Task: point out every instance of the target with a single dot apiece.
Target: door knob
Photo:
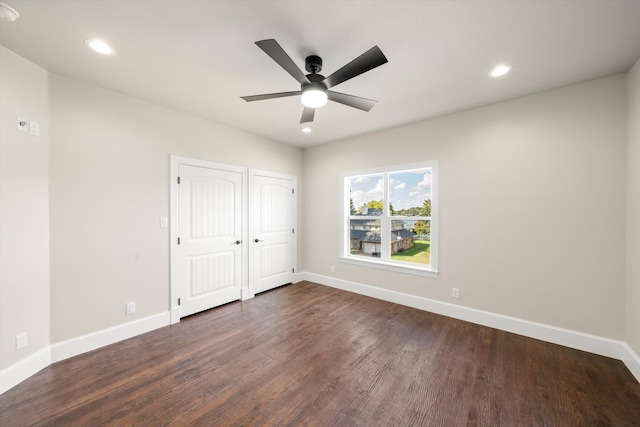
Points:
(238, 242)
(257, 240)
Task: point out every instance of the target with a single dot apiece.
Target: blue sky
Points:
(408, 189)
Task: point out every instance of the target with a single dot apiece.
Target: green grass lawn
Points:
(420, 253)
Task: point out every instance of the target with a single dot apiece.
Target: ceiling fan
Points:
(314, 87)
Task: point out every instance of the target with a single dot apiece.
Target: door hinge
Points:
(293, 231)
(178, 240)
(178, 180)
(178, 301)
(293, 191)
(293, 270)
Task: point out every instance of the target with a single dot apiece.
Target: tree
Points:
(423, 228)
(426, 208)
(352, 208)
(375, 204)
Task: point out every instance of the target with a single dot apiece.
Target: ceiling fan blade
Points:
(275, 51)
(367, 61)
(307, 115)
(363, 104)
(252, 98)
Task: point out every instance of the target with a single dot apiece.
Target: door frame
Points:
(174, 165)
(294, 249)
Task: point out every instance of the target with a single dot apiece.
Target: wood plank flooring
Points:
(310, 355)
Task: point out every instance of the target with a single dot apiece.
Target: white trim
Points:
(13, 375)
(174, 315)
(632, 360)
(82, 344)
(566, 337)
(31, 365)
(386, 263)
(382, 265)
(174, 308)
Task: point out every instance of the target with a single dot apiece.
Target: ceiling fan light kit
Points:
(314, 97)
(314, 88)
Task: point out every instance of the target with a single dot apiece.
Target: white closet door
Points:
(209, 252)
(272, 230)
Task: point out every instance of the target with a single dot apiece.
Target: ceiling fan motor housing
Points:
(315, 78)
(313, 64)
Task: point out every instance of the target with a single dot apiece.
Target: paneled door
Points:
(271, 230)
(209, 232)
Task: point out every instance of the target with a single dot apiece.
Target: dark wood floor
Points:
(306, 354)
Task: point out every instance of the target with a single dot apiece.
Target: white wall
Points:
(109, 188)
(532, 204)
(632, 320)
(24, 209)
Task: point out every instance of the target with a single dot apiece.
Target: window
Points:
(390, 218)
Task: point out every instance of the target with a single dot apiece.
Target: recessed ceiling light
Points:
(500, 70)
(306, 130)
(100, 46)
(7, 13)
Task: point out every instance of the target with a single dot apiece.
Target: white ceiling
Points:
(199, 56)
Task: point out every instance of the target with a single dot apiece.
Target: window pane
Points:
(366, 194)
(365, 237)
(410, 242)
(410, 192)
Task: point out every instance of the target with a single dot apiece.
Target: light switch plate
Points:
(34, 128)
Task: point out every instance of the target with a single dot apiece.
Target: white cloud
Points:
(377, 191)
(361, 179)
(425, 183)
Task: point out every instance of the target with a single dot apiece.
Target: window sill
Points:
(382, 265)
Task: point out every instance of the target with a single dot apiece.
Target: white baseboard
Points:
(20, 371)
(632, 360)
(75, 346)
(566, 337)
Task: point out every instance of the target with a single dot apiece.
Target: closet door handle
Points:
(238, 242)
(257, 240)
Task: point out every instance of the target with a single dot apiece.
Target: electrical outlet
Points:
(455, 293)
(332, 269)
(22, 340)
(22, 124)
(130, 307)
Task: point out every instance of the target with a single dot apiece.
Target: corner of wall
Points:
(24, 217)
(632, 268)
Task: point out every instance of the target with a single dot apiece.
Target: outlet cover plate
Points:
(22, 124)
(130, 307)
(21, 340)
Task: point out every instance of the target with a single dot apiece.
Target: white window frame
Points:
(385, 262)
